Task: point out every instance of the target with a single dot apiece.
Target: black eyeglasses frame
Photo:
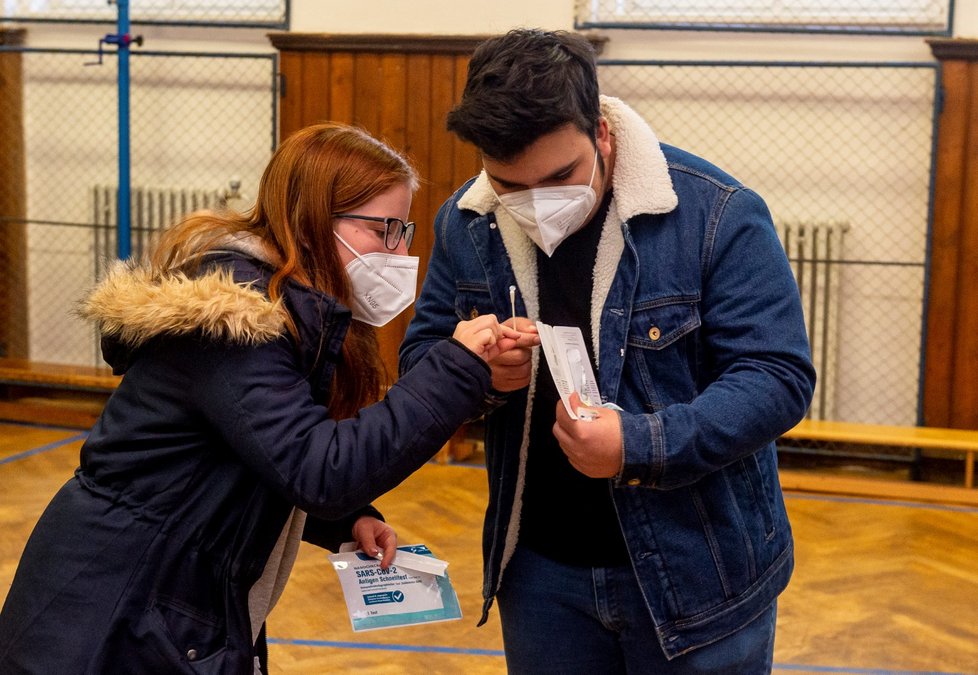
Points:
(395, 229)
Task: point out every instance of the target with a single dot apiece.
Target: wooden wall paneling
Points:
(13, 205)
(341, 74)
(393, 99)
(964, 404)
(441, 173)
(467, 161)
(391, 103)
(951, 358)
(418, 149)
(948, 202)
(368, 91)
(314, 101)
(290, 113)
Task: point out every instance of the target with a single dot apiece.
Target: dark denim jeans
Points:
(562, 619)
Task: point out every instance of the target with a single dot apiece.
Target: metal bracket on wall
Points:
(115, 39)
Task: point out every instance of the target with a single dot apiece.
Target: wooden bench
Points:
(50, 393)
(957, 442)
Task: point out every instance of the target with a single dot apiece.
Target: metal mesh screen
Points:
(835, 147)
(265, 13)
(852, 16)
(202, 126)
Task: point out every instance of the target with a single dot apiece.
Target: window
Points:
(265, 13)
(880, 16)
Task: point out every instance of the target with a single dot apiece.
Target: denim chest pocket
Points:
(662, 349)
(472, 299)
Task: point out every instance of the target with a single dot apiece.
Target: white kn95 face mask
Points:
(383, 284)
(549, 215)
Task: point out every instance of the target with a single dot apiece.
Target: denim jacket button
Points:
(654, 333)
(191, 654)
(634, 481)
(474, 314)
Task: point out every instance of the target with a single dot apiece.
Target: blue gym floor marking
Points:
(432, 649)
(44, 448)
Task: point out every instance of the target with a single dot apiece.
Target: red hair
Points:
(317, 171)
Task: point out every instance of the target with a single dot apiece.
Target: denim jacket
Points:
(699, 337)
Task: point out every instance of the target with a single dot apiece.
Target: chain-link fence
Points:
(842, 154)
(202, 129)
(223, 13)
(908, 17)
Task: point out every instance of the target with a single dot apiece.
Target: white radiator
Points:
(815, 252)
(151, 209)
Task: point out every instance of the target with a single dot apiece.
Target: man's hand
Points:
(593, 447)
(373, 536)
(511, 369)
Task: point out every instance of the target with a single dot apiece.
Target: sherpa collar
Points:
(640, 183)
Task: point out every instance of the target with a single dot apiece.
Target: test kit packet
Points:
(414, 589)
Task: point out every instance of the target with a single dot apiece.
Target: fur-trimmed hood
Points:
(132, 305)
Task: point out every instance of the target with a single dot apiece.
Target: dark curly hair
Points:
(525, 84)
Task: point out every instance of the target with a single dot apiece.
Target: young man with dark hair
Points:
(652, 538)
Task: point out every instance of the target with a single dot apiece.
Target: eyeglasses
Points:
(394, 229)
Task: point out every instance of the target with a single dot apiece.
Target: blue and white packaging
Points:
(414, 589)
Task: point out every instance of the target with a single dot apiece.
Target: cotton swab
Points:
(512, 303)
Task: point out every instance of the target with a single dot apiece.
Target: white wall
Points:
(435, 17)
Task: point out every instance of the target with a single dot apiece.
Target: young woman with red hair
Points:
(247, 417)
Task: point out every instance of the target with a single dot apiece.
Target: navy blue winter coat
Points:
(143, 561)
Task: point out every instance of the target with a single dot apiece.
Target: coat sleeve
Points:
(329, 534)
(262, 406)
(755, 359)
(435, 316)
(434, 312)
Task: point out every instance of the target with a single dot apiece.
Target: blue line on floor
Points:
(857, 671)
(36, 425)
(44, 448)
(394, 647)
(499, 652)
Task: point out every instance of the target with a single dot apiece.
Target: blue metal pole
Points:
(123, 207)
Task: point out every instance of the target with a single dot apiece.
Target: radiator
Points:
(815, 252)
(151, 210)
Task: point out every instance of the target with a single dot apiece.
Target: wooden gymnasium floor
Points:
(879, 587)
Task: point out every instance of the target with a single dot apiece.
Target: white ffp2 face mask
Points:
(383, 284)
(549, 215)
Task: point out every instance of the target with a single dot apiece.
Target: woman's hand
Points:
(488, 338)
(512, 369)
(373, 536)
